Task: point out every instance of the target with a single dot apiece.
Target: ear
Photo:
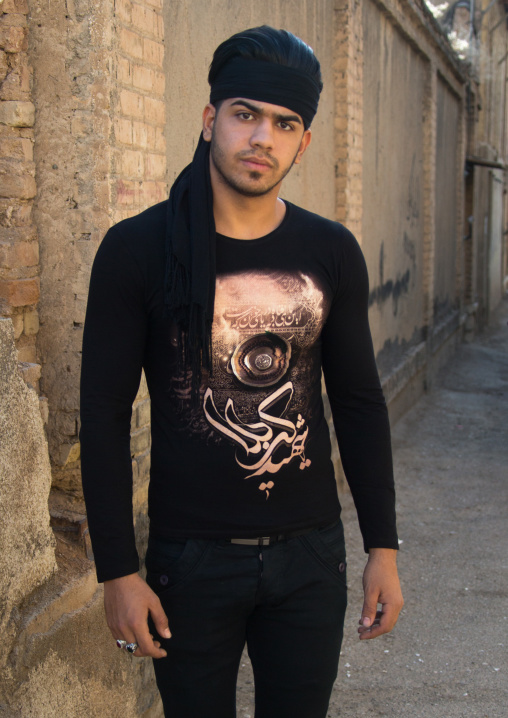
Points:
(307, 136)
(209, 114)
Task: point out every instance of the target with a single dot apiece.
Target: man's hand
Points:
(380, 585)
(128, 601)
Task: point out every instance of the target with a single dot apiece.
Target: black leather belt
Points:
(268, 540)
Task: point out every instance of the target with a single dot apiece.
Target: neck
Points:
(244, 217)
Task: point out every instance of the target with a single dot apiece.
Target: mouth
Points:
(255, 163)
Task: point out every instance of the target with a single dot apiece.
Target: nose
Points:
(262, 136)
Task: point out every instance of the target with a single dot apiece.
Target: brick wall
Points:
(139, 156)
(19, 247)
(348, 69)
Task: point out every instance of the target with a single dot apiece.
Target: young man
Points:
(232, 301)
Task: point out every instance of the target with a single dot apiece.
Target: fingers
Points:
(128, 601)
(369, 612)
(383, 622)
(140, 635)
(160, 619)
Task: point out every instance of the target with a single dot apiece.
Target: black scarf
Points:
(189, 291)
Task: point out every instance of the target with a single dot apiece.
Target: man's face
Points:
(253, 144)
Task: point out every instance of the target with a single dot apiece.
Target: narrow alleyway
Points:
(448, 656)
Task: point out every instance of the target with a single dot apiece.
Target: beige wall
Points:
(447, 158)
(195, 31)
(395, 81)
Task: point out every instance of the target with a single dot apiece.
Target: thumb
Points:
(160, 620)
(369, 610)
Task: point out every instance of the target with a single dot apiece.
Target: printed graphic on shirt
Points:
(266, 367)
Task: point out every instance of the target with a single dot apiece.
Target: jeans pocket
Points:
(170, 562)
(327, 547)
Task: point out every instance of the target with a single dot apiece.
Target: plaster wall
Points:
(195, 31)
(395, 78)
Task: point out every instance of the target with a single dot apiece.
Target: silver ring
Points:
(120, 643)
(131, 647)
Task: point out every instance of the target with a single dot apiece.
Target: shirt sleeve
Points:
(358, 406)
(113, 348)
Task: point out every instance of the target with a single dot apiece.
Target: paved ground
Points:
(447, 657)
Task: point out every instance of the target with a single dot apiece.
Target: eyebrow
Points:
(260, 111)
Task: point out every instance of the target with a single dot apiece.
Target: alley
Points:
(447, 657)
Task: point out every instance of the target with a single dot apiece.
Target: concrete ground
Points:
(447, 656)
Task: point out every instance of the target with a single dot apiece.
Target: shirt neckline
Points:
(265, 237)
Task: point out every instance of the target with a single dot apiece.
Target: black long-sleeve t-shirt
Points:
(253, 457)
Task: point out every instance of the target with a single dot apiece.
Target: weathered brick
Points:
(159, 27)
(127, 192)
(21, 254)
(143, 18)
(13, 19)
(4, 66)
(160, 140)
(142, 77)
(154, 192)
(123, 131)
(16, 86)
(14, 182)
(132, 104)
(143, 135)
(131, 43)
(123, 9)
(124, 71)
(157, 4)
(155, 111)
(17, 323)
(20, 292)
(23, 233)
(133, 164)
(31, 323)
(153, 52)
(155, 166)
(17, 114)
(13, 38)
(15, 6)
(159, 83)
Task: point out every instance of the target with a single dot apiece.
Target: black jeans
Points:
(286, 601)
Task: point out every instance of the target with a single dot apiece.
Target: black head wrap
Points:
(190, 242)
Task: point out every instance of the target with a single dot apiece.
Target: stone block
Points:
(29, 372)
(17, 114)
(4, 66)
(17, 186)
(21, 254)
(16, 148)
(26, 540)
(20, 292)
(13, 38)
(15, 6)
